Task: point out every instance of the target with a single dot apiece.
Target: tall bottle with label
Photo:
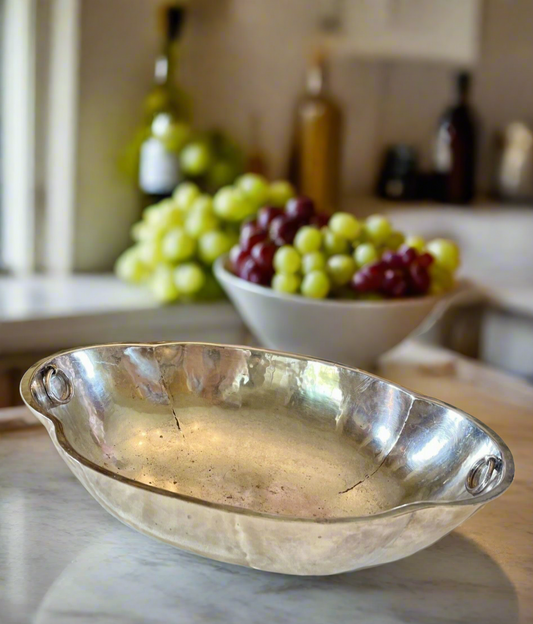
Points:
(455, 149)
(316, 158)
(167, 117)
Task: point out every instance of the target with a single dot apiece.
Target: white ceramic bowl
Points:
(355, 333)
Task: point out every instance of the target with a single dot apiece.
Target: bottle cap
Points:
(171, 20)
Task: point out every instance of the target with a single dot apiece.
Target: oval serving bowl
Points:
(355, 333)
(263, 459)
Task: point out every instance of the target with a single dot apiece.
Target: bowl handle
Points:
(51, 387)
(486, 471)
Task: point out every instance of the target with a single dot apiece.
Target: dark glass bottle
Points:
(455, 149)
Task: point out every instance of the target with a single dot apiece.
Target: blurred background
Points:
(102, 99)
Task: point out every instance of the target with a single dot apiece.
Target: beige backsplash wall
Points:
(248, 56)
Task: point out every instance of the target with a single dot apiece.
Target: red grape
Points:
(248, 225)
(320, 220)
(425, 260)
(237, 257)
(301, 208)
(369, 278)
(408, 255)
(394, 283)
(392, 260)
(283, 229)
(266, 216)
(252, 272)
(251, 234)
(263, 254)
(419, 279)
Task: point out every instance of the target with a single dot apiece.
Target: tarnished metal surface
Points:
(263, 459)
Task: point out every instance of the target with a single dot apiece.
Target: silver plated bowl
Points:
(264, 459)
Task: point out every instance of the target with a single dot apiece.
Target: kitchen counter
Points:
(64, 560)
(45, 313)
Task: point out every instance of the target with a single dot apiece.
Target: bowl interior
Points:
(264, 431)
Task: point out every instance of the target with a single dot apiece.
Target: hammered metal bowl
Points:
(263, 459)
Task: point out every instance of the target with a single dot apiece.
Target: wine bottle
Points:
(455, 149)
(167, 117)
(316, 155)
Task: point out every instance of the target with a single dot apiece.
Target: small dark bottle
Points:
(455, 149)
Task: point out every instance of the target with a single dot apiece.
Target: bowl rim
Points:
(224, 275)
(59, 433)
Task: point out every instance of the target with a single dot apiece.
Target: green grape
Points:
(169, 217)
(315, 285)
(195, 159)
(446, 253)
(140, 231)
(151, 253)
(416, 242)
(222, 173)
(378, 229)
(441, 279)
(189, 278)
(345, 225)
(340, 269)
(314, 261)
(334, 244)
(162, 284)
(185, 194)
(198, 223)
(174, 136)
(280, 193)
(395, 240)
(308, 239)
(287, 260)
(254, 187)
(178, 246)
(231, 204)
(212, 245)
(152, 214)
(365, 253)
(286, 283)
(362, 238)
(202, 205)
(130, 268)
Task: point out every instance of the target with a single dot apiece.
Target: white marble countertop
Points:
(48, 313)
(64, 560)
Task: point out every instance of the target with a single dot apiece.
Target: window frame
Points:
(37, 219)
(17, 228)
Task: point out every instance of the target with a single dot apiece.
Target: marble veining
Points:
(64, 560)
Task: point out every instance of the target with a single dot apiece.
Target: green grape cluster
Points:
(178, 239)
(211, 159)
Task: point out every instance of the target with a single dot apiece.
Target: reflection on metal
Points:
(263, 459)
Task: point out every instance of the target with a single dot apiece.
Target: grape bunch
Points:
(296, 250)
(178, 239)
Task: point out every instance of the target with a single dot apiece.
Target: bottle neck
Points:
(463, 97)
(316, 79)
(463, 89)
(165, 64)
